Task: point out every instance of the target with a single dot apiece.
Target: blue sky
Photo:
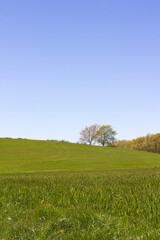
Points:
(65, 64)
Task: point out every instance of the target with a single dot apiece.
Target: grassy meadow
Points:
(30, 156)
(51, 190)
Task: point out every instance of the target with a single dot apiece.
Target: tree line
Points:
(149, 143)
(104, 135)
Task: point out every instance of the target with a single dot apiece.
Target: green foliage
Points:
(105, 135)
(28, 156)
(121, 205)
(150, 143)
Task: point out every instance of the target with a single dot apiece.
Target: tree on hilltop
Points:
(88, 134)
(105, 135)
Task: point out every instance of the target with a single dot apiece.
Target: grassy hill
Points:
(32, 156)
(78, 202)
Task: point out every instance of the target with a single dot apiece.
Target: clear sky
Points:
(65, 64)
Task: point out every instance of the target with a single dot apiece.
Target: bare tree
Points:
(88, 134)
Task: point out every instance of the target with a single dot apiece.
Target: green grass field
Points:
(51, 190)
(26, 156)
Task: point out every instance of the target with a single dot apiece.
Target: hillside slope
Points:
(32, 156)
